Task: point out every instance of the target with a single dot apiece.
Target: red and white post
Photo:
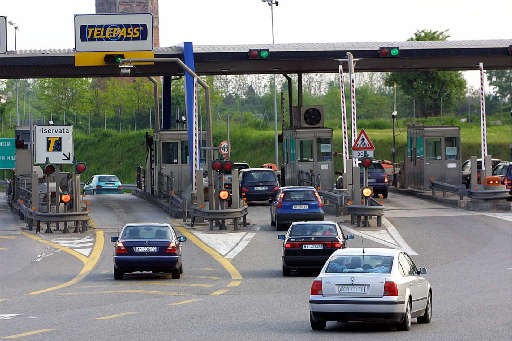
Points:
(483, 124)
(344, 120)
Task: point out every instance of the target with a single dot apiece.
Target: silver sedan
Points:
(371, 284)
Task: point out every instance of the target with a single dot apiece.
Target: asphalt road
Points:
(61, 287)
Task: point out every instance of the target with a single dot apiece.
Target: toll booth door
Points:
(442, 160)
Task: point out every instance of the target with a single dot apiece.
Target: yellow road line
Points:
(89, 262)
(7, 237)
(234, 284)
(72, 252)
(219, 292)
(115, 315)
(185, 302)
(3, 248)
(233, 272)
(34, 332)
(126, 291)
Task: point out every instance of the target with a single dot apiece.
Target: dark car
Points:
(378, 179)
(103, 184)
(466, 170)
(308, 244)
(296, 203)
(504, 171)
(258, 184)
(148, 247)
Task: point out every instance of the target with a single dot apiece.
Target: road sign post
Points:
(54, 144)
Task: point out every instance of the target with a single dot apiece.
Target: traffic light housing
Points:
(20, 143)
(261, 54)
(222, 166)
(49, 169)
(113, 58)
(510, 50)
(389, 52)
(65, 198)
(80, 167)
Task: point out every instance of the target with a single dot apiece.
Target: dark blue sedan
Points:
(148, 247)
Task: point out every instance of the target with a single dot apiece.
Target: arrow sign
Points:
(66, 157)
(363, 142)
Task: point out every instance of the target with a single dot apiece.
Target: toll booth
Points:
(173, 174)
(433, 153)
(308, 157)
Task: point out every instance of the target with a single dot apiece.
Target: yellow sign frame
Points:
(97, 58)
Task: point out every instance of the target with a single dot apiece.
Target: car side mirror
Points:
(114, 239)
(349, 236)
(422, 271)
(281, 236)
(182, 239)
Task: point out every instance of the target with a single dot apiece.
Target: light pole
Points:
(16, 27)
(271, 3)
(393, 151)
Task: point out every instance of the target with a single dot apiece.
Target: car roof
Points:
(106, 175)
(148, 224)
(314, 222)
(256, 169)
(367, 251)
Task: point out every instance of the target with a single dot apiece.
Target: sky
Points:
(48, 24)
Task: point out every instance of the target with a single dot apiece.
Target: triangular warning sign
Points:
(363, 142)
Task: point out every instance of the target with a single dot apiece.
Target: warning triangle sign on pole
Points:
(363, 142)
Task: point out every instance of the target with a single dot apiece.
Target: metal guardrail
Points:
(362, 213)
(448, 188)
(338, 198)
(482, 193)
(220, 216)
(32, 217)
(489, 194)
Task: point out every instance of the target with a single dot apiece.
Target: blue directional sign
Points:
(7, 153)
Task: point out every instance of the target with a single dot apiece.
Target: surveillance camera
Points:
(394, 113)
(50, 122)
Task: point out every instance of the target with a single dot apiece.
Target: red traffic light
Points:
(80, 167)
(49, 169)
(217, 165)
(20, 144)
(227, 166)
(366, 162)
(259, 53)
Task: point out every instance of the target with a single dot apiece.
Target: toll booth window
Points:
(419, 147)
(324, 149)
(451, 148)
(306, 150)
(434, 151)
(184, 153)
(170, 153)
(293, 153)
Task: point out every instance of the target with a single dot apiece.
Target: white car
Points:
(370, 284)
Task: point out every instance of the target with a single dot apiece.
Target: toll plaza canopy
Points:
(282, 59)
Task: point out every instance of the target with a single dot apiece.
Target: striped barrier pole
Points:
(343, 119)
(483, 125)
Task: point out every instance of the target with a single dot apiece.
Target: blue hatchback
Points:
(103, 183)
(296, 203)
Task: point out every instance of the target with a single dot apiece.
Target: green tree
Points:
(502, 81)
(434, 92)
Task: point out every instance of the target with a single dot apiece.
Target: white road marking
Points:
(501, 215)
(82, 245)
(8, 316)
(397, 237)
(227, 244)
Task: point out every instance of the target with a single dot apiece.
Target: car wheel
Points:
(118, 274)
(286, 271)
(427, 316)
(272, 220)
(276, 222)
(405, 324)
(176, 274)
(316, 323)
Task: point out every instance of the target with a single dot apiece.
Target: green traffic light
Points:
(118, 59)
(264, 54)
(394, 52)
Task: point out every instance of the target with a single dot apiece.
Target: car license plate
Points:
(260, 188)
(300, 207)
(371, 180)
(312, 246)
(145, 248)
(353, 289)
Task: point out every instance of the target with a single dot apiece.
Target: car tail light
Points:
(120, 249)
(390, 289)
(245, 190)
(280, 200)
(292, 245)
(386, 180)
(275, 189)
(98, 187)
(172, 248)
(319, 199)
(333, 245)
(120, 187)
(316, 287)
(507, 182)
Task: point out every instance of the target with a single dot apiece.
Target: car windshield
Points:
(108, 178)
(146, 232)
(313, 230)
(298, 195)
(360, 264)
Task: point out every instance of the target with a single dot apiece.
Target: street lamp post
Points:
(271, 3)
(16, 27)
(393, 151)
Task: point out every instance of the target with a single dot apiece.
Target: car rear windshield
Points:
(146, 232)
(299, 195)
(360, 264)
(310, 230)
(108, 178)
(260, 176)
